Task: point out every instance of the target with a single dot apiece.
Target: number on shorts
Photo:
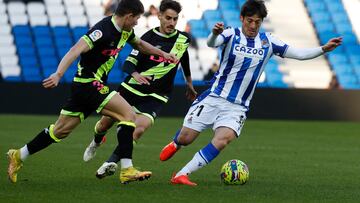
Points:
(201, 107)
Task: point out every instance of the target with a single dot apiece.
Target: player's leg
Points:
(199, 117)
(52, 134)
(143, 122)
(223, 136)
(120, 110)
(183, 137)
(100, 129)
(227, 126)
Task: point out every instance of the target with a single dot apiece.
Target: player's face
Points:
(130, 22)
(251, 25)
(168, 20)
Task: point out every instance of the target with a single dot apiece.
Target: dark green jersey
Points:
(159, 69)
(105, 40)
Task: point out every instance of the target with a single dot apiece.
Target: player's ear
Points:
(241, 18)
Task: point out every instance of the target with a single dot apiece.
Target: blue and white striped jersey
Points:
(242, 62)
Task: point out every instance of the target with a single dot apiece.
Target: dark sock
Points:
(98, 137)
(125, 143)
(114, 156)
(41, 141)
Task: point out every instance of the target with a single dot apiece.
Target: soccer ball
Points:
(234, 172)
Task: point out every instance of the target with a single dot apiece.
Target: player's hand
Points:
(190, 92)
(218, 28)
(52, 81)
(332, 44)
(141, 79)
(171, 57)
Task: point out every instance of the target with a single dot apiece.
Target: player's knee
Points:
(139, 131)
(130, 116)
(60, 131)
(222, 142)
(103, 125)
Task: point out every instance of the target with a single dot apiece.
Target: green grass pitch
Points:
(289, 161)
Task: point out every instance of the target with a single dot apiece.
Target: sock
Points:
(177, 145)
(126, 163)
(200, 159)
(124, 149)
(115, 155)
(45, 138)
(24, 153)
(98, 136)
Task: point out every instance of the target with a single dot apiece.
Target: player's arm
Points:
(310, 53)
(146, 48)
(129, 67)
(53, 80)
(185, 64)
(215, 38)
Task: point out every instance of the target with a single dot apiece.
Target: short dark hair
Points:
(134, 7)
(170, 4)
(252, 7)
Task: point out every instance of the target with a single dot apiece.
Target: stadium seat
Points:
(46, 52)
(197, 24)
(24, 51)
(61, 31)
(78, 32)
(21, 30)
(63, 42)
(41, 31)
(43, 41)
(211, 15)
(31, 72)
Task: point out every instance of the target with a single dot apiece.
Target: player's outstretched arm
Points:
(310, 53)
(53, 80)
(214, 40)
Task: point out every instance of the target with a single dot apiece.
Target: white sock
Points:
(126, 163)
(24, 153)
(195, 164)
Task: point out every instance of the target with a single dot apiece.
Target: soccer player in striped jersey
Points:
(223, 107)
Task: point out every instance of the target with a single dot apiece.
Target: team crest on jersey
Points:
(95, 35)
(179, 46)
(265, 43)
(125, 35)
(249, 51)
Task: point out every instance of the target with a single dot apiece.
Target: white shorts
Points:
(215, 112)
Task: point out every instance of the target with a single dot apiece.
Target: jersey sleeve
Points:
(185, 64)
(227, 34)
(134, 57)
(279, 47)
(95, 36)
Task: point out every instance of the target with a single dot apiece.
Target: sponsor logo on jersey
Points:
(111, 52)
(95, 35)
(249, 51)
(161, 59)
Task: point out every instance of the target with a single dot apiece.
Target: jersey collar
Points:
(115, 25)
(156, 30)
